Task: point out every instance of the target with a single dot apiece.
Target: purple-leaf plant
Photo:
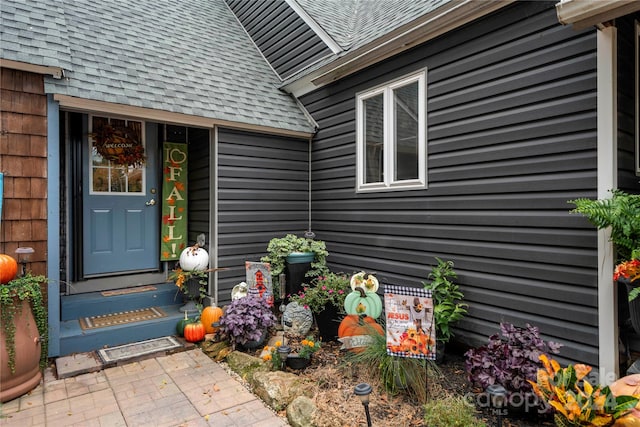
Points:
(246, 319)
(509, 361)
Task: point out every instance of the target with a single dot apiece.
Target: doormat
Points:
(127, 291)
(112, 319)
(137, 349)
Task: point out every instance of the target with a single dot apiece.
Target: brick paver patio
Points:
(182, 389)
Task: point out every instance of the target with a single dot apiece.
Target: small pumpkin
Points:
(209, 316)
(354, 331)
(360, 301)
(194, 332)
(8, 268)
(181, 324)
(195, 258)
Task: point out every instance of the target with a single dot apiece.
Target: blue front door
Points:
(120, 198)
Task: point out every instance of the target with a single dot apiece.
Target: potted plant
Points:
(511, 361)
(448, 307)
(325, 298)
(246, 320)
(280, 248)
(302, 358)
(23, 334)
(575, 400)
(621, 214)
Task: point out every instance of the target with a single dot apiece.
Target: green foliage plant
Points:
(24, 288)
(279, 248)
(396, 374)
(621, 213)
(448, 307)
(331, 288)
(451, 411)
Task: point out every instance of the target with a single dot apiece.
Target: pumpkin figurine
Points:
(209, 316)
(363, 280)
(195, 258)
(355, 332)
(194, 332)
(8, 268)
(360, 301)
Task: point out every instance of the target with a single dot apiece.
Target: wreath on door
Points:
(120, 144)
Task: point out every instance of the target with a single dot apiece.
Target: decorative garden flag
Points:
(174, 201)
(409, 319)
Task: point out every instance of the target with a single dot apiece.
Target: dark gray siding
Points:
(511, 138)
(199, 184)
(284, 39)
(263, 192)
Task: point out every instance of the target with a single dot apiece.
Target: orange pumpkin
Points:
(8, 268)
(209, 316)
(194, 332)
(354, 325)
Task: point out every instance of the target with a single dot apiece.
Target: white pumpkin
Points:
(194, 258)
(366, 281)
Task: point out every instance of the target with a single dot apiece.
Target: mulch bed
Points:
(334, 381)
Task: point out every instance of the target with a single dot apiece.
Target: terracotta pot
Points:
(27, 373)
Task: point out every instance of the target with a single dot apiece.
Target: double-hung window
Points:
(391, 135)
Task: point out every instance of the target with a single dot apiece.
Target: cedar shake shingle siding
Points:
(23, 160)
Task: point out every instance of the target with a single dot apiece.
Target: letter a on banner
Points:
(409, 316)
(174, 201)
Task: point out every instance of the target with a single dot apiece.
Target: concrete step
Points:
(93, 304)
(74, 339)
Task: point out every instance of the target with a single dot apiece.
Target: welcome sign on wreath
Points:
(119, 141)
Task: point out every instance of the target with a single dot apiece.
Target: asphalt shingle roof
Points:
(189, 57)
(354, 23)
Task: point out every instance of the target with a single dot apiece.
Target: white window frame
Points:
(389, 184)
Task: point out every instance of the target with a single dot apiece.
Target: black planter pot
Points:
(252, 345)
(296, 362)
(634, 306)
(327, 322)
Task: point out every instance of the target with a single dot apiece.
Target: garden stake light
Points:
(363, 390)
(497, 400)
(283, 353)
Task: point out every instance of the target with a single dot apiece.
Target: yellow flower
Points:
(266, 357)
(278, 344)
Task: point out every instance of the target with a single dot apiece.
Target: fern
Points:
(621, 213)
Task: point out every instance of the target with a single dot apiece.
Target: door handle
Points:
(151, 202)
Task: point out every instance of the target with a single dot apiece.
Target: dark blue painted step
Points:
(93, 304)
(73, 339)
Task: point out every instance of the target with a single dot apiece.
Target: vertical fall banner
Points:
(174, 201)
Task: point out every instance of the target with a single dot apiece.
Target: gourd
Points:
(8, 268)
(369, 283)
(181, 324)
(209, 316)
(194, 332)
(354, 325)
(360, 301)
(195, 258)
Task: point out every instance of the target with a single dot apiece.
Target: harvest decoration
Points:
(8, 268)
(195, 258)
(366, 281)
(119, 143)
(209, 316)
(355, 332)
(575, 400)
(360, 301)
(194, 331)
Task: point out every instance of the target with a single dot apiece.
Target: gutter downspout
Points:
(607, 174)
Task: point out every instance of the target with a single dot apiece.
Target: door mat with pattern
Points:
(112, 319)
(138, 349)
(127, 291)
